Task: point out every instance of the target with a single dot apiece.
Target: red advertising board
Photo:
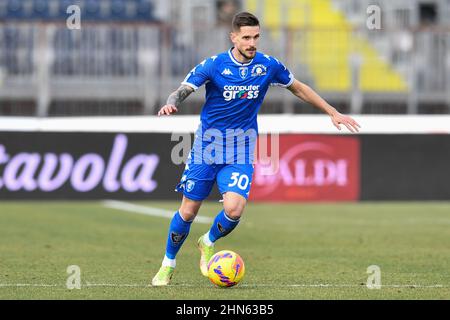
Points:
(306, 168)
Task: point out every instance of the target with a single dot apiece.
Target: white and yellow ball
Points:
(226, 268)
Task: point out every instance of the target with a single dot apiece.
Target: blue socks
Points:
(222, 226)
(178, 232)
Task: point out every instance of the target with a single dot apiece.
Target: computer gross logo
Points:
(240, 92)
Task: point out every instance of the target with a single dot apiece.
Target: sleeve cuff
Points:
(291, 81)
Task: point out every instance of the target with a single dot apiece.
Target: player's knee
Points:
(189, 209)
(234, 210)
(187, 213)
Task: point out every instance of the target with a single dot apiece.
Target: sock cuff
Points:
(179, 216)
(229, 219)
(222, 226)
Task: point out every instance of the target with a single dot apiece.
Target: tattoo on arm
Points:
(179, 95)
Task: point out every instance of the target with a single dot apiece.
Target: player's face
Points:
(246, 41)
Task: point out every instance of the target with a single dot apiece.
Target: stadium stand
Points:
(329, 45)
(91, 10)
(134, 53)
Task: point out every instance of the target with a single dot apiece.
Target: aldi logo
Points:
(310, 168)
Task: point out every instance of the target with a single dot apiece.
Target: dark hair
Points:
(244, 19)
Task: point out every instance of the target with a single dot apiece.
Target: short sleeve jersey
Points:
(235, 91)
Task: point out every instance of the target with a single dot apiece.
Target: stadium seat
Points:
(118, 10)
(15, 9)
(145, 10)
(330, 45)
(63, 5)
(3, 10)
(92, 10)
(40, 10)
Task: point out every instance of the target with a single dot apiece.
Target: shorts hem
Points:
(243, 195)
(190, 196)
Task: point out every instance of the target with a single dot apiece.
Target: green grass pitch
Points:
(291, 251)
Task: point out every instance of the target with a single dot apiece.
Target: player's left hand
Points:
(338, 119)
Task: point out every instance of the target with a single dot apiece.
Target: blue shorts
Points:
(198, 179)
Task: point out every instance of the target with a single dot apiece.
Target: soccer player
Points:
(236, 82)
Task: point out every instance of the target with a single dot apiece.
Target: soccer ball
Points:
(226, 268)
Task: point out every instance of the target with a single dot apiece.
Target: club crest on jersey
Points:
(190, 185)
(243, 72)
(259, 70)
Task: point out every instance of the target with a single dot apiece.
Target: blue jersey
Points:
(234, 94)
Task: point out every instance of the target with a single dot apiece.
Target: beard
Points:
(245, 55)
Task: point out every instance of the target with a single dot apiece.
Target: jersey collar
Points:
(237, 62)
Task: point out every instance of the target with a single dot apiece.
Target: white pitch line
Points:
(18, 285)
(118, 285)
(149, 211)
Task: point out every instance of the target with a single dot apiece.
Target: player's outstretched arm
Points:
(307, 94)
(175, 99)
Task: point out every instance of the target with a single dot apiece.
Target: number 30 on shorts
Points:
(241, 180)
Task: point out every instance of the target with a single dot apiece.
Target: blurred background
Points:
(129, 55)
(78, 122)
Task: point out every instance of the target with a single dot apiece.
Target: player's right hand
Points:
(168, 109)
